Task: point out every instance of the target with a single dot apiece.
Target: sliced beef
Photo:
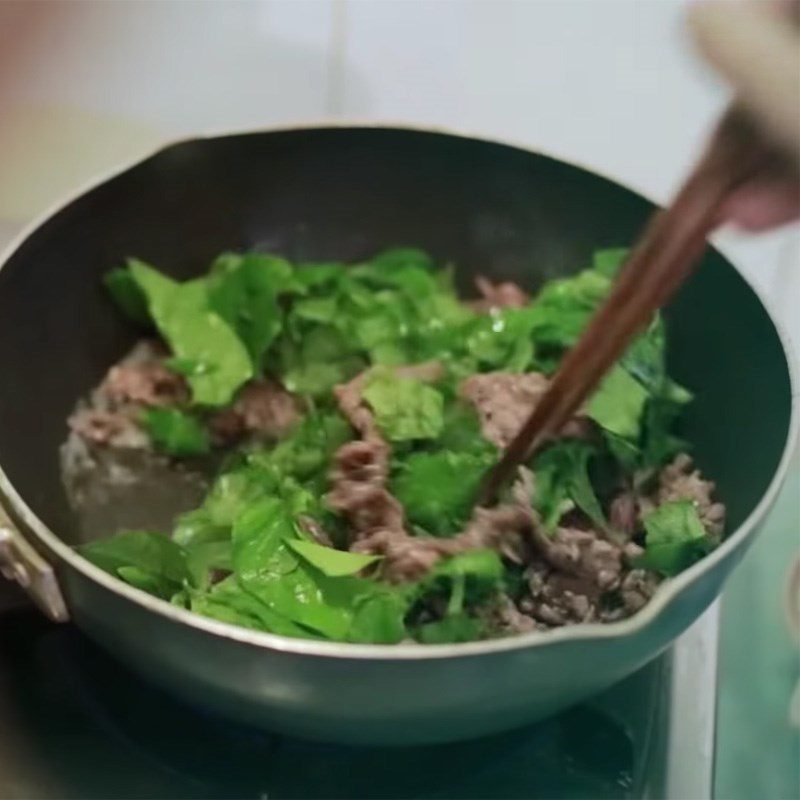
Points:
(142, 378)
(361, 468)
(637, 587)
(148, 384)
(405, 558)
(112, 428)
(111, 415)
(679, 481)
(502, 617)
(505, 528)
(359, 493)
(504, 400)
(623, 513)
(262, 409)
(504, 294)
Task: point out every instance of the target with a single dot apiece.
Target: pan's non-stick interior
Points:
(342, 194)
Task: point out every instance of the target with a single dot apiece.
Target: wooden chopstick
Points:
(664, 257)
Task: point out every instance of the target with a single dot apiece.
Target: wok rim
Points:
(648, 616)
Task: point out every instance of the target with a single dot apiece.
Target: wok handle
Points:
(20, 562)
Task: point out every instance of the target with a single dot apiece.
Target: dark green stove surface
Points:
(76, 724)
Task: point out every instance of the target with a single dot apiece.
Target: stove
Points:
(74, 723)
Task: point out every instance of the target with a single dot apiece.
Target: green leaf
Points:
(195, 333)
(126, 293)
(607, 262)
(378, 618)
(197, 527)
(318, 276)
(176, 433)
(482, 565)
(391, 261)
(258, 537)
(562, 479)
(618, 404)
(450, 630)
(563, 307)
(645, 359)
(228, 602)
(674, 538)
(504, 340)
(205, 558)
(405, 408)
(331, 562)
(151, 554)
(438, 490)
(316, 309)
(306, 452)
(149, 582)
(234, 492)
(663, 409)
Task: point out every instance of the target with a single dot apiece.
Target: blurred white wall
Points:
(612, 84)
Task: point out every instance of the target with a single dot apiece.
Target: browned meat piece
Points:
(623, 513)
(557, 599)
(679, 481)
(503, 617)
(359, 489)
(351, 403)
(498, 295)
(581, 554)
(505, 528)
(142, 378)
(569, 575)
(504, 400)
(115, 428)
(358, 485)
(405, 558)
(262, 408)
(638, 586)
(150, 384)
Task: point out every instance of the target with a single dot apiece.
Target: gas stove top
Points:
(74, 723)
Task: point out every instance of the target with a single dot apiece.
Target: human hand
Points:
(755, 44)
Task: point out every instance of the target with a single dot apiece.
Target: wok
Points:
(343, 193)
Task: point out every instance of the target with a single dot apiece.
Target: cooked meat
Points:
(405, 558)
(142, 378)
(679, 481)
(638, 586)
(361, 468)
(498, 295)
(262, 408)
(150, 384)
(557, 599)
(503, 617)
(504, 400)
(506, 528)
(581, 554)
(114, 428)
(351, 403)
(623, 513)
(359, 490)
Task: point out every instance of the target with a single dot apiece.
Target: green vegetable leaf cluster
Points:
(675, 538)
(252, 553)
(562, 483)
